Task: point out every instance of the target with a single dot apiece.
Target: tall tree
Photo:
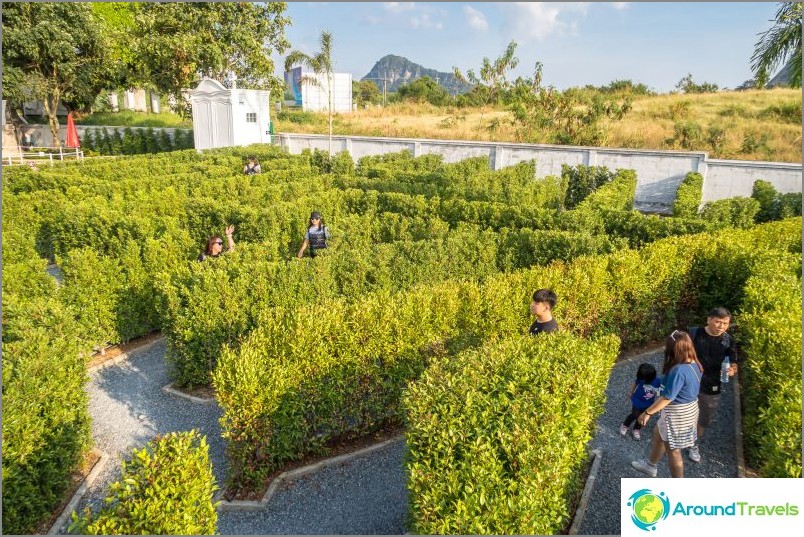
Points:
(178, 43)
(492, 75)
(492, 84)
(321, 65)
(781, 42)
(56, 53)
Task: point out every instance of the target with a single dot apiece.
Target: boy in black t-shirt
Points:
(544, 300)
(712, 344)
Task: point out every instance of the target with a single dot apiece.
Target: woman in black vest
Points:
(316, 235)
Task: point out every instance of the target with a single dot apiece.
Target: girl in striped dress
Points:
(677, 426)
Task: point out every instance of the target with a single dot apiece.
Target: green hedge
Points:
(213, 304)
(288, 388)
(166, 489)
(582, 180)
(772, 204)
(497, 437)
(46, 423)
(688, 196)
(770, 322)
(734, 212)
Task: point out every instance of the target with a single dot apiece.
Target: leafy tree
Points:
(492, 75)
(627, 86)
(780, 42)
(424, 89)
(492, 84)
(688, 85)
(56, 53)
(571, 117)
(321, 65)
(366, 92)
(177, 43)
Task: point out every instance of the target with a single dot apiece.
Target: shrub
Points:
(497, 436)
(582, 181)
(735, 212)
(166, 489)
(772, 204)
(688, 196)
(790, 205)
(687, 135)
(770, 323)
(768, 199)
(46, 423)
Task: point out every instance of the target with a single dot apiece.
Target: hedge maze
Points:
(415, 315)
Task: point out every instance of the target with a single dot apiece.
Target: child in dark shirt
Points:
(642, 394)
(544, 300)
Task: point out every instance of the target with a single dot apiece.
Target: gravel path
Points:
(718, 448)
(129, 408)
(368, 494)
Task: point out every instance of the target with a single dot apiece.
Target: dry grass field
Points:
(745, 125)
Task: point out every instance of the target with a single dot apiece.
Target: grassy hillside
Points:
(747, 125)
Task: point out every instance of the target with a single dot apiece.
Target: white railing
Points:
(32, 155)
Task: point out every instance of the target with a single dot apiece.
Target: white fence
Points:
(47, 155)
(659, 173)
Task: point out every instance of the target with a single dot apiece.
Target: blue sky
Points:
(579, 43)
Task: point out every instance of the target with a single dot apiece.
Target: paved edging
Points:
(124, 356)
(242, 505)
(738, 427)
(169, 389)
(580, 512)
(73, 503)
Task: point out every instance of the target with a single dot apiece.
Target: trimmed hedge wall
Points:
(770, 323)
(166, 489)
(688, 196)
(46, 423)
(497, 437)
(312, 372)
(215, 304)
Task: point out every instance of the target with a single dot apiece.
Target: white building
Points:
(313, 98)
(227, 117)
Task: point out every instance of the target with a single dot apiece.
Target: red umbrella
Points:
(72, 132)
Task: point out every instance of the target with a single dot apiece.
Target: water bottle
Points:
(724, 370)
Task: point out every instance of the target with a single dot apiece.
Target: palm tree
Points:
(321, 65)
(783, 40)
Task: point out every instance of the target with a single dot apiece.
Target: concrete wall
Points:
(659, 173)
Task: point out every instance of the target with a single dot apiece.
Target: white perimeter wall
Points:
(659, 173)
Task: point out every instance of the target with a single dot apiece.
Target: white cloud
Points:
(369, 19)
(425, 22)
(536, 20)
(619, 5)
(476, 19)
(399, 7)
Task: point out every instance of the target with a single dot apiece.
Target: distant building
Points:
(313, 98)
(227, 117)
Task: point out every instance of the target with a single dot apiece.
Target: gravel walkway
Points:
(129, 408)
(718, 448)
(368, 494)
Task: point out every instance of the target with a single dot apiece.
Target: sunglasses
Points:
(220, 243)
(676, 334)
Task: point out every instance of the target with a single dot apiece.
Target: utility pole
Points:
(384, 86)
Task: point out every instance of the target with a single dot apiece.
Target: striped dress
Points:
(678, 423)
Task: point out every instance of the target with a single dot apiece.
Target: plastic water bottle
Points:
(724, 370)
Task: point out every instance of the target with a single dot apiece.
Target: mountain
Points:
(399, 71)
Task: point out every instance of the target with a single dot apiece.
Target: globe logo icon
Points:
(648, 508)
